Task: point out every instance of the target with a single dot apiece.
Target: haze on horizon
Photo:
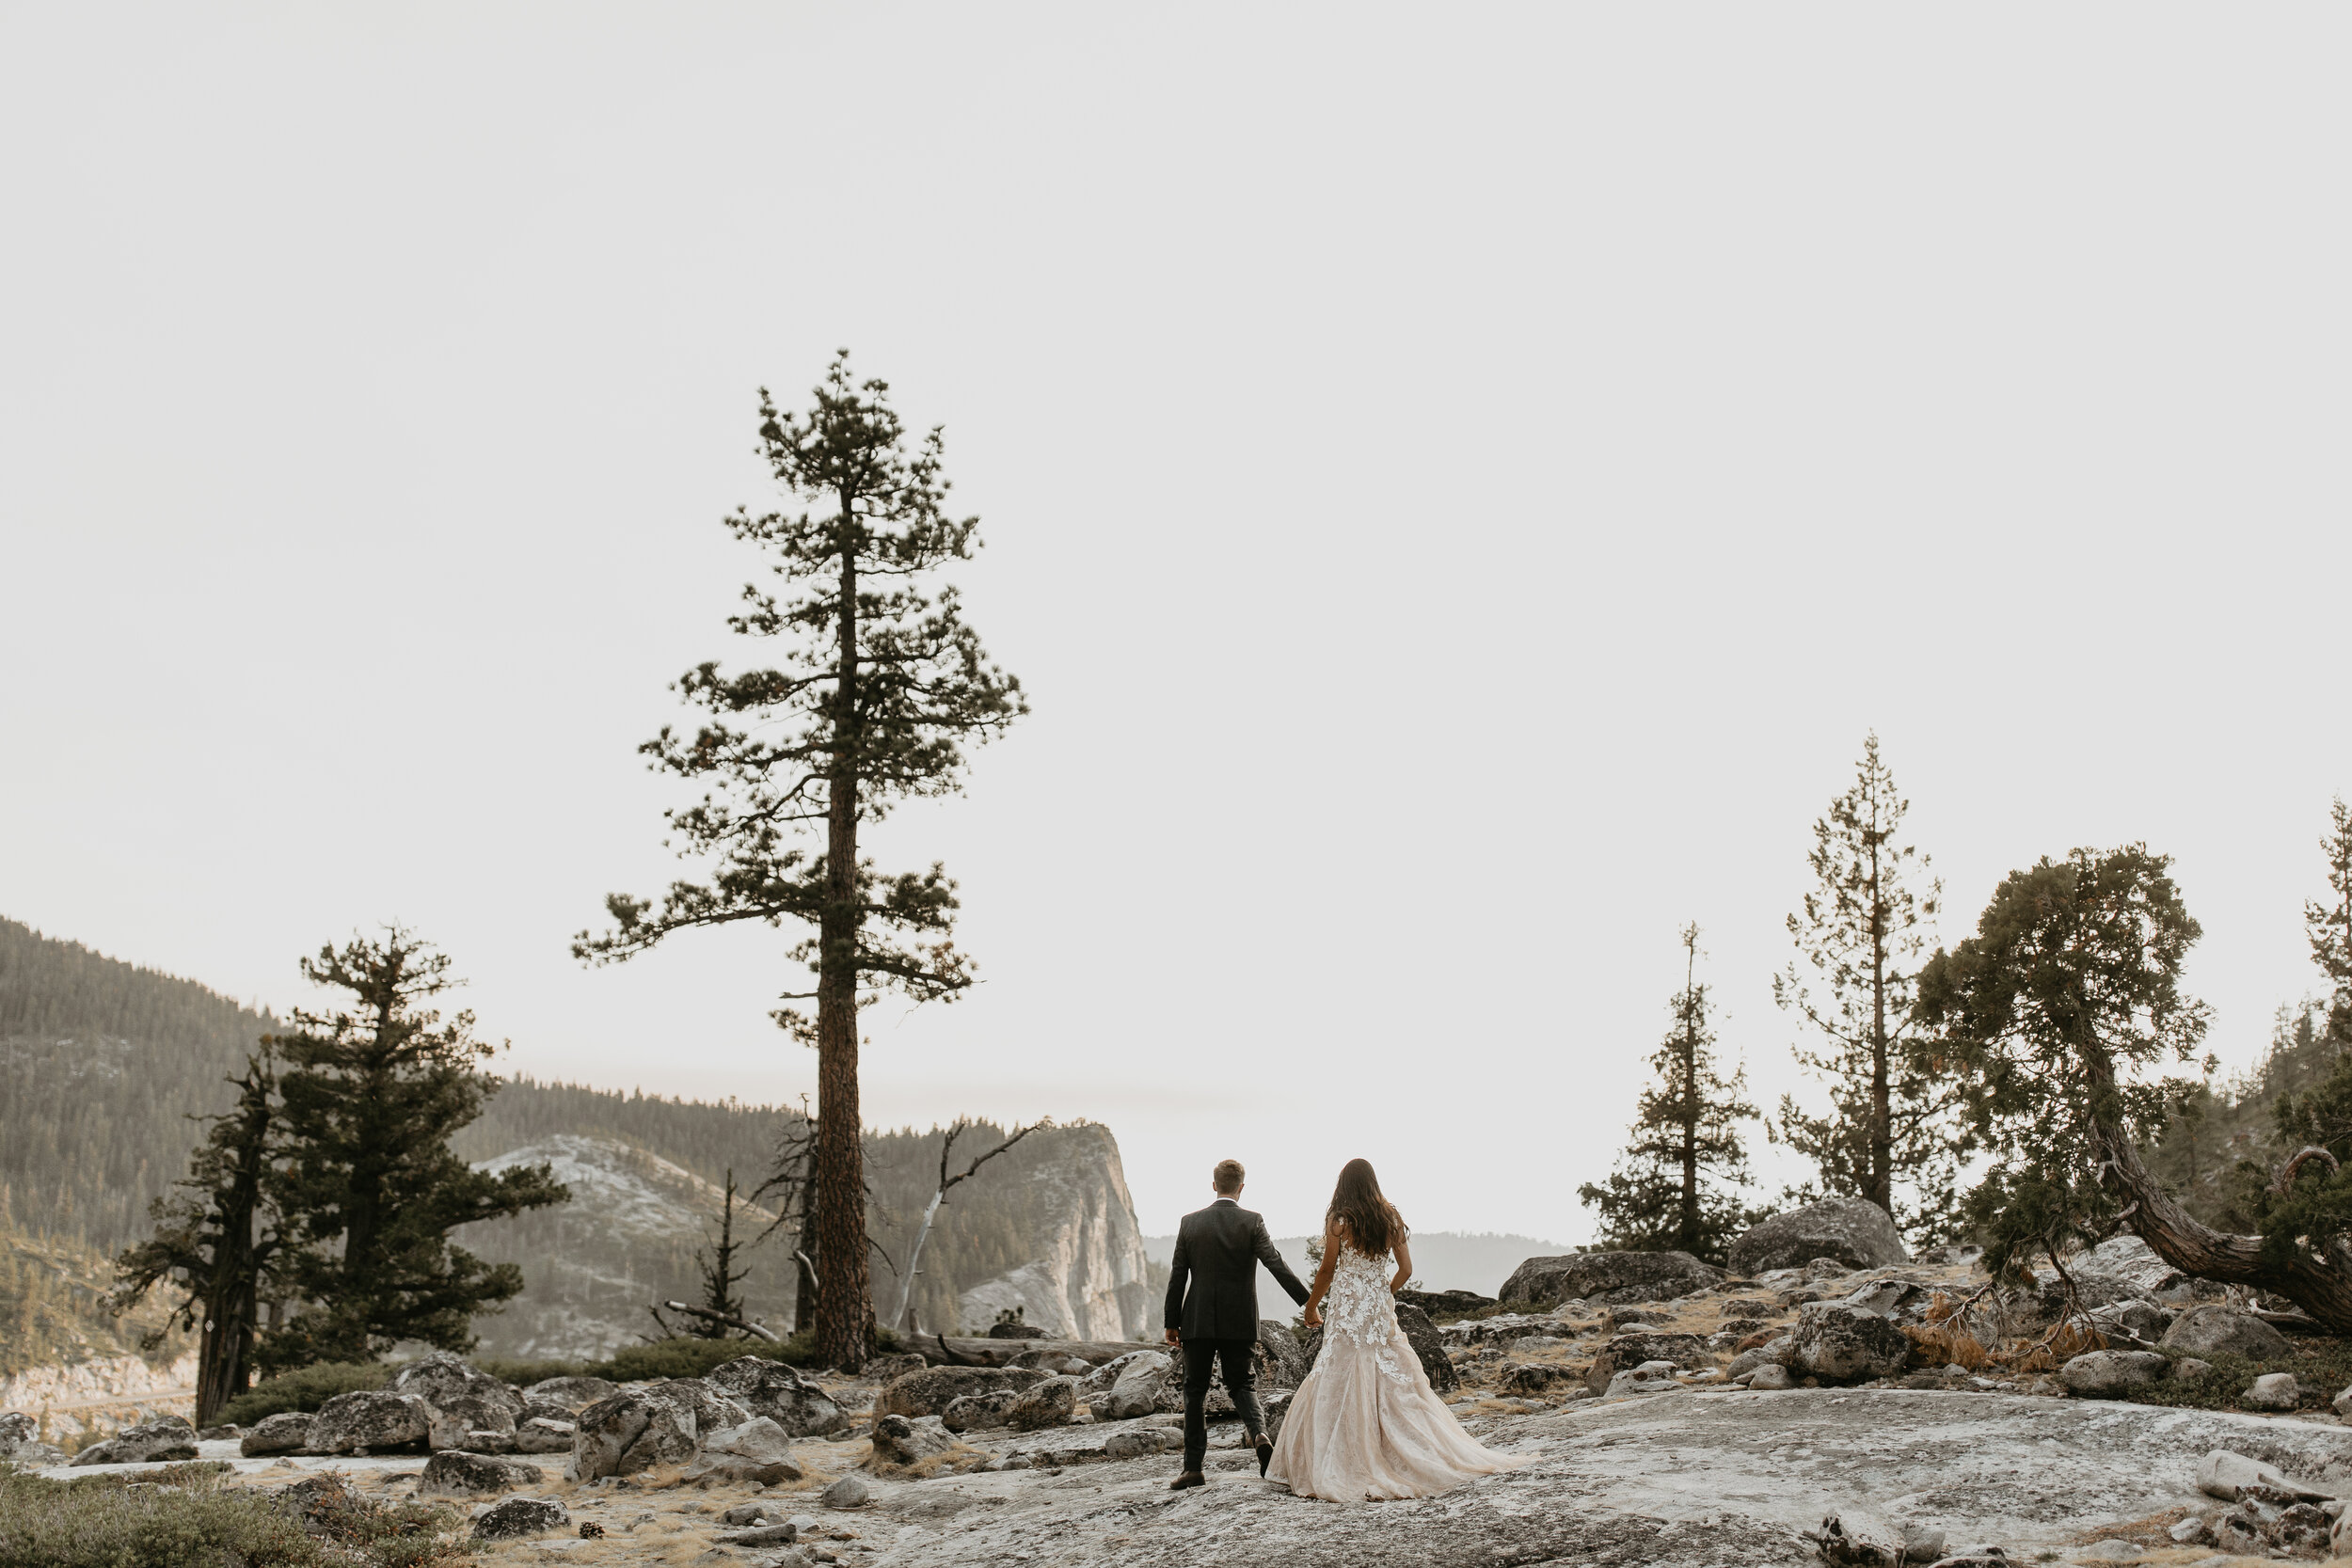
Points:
(1457, 489)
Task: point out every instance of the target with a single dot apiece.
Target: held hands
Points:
(1173, 1338)
(1312, 1317)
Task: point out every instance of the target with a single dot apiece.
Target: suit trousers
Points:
(1241, 1384)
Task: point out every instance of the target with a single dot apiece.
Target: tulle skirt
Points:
(1366, 1424)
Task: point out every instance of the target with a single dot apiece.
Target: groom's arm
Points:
(1179, 1267)
(1268, 1254)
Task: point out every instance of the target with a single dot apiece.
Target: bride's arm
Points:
(1313, 1314)
(1404, 1266)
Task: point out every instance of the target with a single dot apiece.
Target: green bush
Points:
(2321, 1368)
(303, 1388)
(194, 1522)
(679, 1359)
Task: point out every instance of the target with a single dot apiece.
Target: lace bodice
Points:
(1360, 1307)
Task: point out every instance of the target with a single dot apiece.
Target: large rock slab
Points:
(1609, 1276)
(929, 1391)
(1854, 1230)
(2213, 1329)
(772, 1389)
(662, 1424)
(1682, 1480)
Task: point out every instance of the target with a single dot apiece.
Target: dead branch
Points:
(2284, 1182)
(719, 1318)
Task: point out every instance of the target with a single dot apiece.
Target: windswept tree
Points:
(371, 1095)
(2055, 1019)
(878, 685)
(1677, 1186)
(1893, 1134)
(218, 1237)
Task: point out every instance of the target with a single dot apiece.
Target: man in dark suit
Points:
(1218, 1252)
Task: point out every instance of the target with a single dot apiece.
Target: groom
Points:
(1218, 1250)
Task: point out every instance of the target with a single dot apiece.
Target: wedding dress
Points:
(1365, 1423)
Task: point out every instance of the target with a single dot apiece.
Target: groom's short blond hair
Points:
(1227, 1176)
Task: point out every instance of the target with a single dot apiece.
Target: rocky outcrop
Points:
(772, 1389)
(464, 1404)
(1854, 1231)
(168, 1439)
(1628, 1352)
(661, 1424)
(1609, 1276)
(1091, 1279)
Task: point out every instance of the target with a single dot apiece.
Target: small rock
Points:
(977, 1412)
(519, 1516)
(751, 1514)
(2192, 1531)
(2188, 1366)
(900, 1441)
(2274, 1391)
(1139, 1442)
(226, 1432)
(1771, 1377)
(763, 1535)
(849, 1492)
(2107, 1373)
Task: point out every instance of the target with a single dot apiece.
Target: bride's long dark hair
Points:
(1373, 1226)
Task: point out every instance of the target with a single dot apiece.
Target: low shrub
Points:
(303, 1388)
(1499, 1310)
(130, 1522)
(2322, 1369)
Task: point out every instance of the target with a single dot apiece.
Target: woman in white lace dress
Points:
(1366, 1423)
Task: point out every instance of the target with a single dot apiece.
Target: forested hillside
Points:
(103, 1063)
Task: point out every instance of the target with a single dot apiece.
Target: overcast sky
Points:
(1460, 484)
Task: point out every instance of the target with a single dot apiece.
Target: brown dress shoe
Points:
(1190, 1478)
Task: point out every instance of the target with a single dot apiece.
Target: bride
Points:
(1365, 1423)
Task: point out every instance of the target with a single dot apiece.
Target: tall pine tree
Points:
(218, 1238)
(1676, 1185)
(370, 1096)
(878, 687)
(1893, 1134)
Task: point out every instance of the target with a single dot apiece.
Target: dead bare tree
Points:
(915, 1256)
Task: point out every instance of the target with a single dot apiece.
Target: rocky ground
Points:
(1671, 1415)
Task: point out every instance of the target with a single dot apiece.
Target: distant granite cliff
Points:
(1091, 1279)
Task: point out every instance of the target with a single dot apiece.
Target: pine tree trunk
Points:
(1879, 1184)
(844, 1311)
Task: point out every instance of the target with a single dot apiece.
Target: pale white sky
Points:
(1460, 484)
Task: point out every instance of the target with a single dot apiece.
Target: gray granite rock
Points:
(371, 1420)
(929, 1391)
(1847, 1344)
(1604, 1278)
(1853, 1232)
(2213, 1329)
(772, 1389)
(518, 1518)
(166, 1437)
(454, 1473)
(287, 1432)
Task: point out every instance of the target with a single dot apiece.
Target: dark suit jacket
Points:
(1218, 1250)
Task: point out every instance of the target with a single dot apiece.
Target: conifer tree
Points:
(371, 1096)
(2329, 926)
(216, 1238)
(721, 1273)
(878, 687)
(1892, 1134)
(1676, 1186)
